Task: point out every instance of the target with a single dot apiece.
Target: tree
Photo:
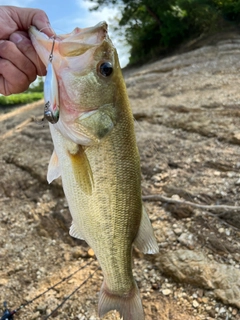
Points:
(157, 26)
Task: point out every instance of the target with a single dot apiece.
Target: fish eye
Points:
(106, 69)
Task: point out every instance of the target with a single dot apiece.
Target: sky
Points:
(66, 15)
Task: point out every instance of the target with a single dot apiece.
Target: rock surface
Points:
(195, 268)
(188, 133)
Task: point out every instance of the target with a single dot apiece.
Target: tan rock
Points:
(112, 315)
(195, 268)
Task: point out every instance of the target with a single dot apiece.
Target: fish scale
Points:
(96, 155)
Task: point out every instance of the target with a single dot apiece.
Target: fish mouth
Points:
(71, 57)
(42, 43)
(70, 44)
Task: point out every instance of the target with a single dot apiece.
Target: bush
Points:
(21, 98)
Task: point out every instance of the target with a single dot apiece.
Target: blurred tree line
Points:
(36, 86)
(33, 93)
(154, 27)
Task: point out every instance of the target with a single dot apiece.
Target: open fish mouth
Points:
(75, 62)
(70, 44)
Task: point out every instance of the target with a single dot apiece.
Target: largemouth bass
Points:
(95, 153)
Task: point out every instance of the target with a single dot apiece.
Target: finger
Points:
(24, 44)
(12, 80)
(10, 52)
(41, 21)
(25, 17)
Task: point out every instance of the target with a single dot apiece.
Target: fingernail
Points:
(16, 37)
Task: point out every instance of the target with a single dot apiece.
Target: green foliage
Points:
(36, 86)
(230, 9)
(33, 93)
(20, 98)
(157, 26)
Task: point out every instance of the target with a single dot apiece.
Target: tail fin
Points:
(129, 306)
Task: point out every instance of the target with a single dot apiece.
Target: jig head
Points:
(51, 109)
(7, 314)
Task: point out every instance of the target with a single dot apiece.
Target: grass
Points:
(21, 98)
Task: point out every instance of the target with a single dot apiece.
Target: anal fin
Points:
(145, 240)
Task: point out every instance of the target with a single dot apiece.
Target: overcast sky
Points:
(66, 15)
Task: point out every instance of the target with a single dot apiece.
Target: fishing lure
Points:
(7, 314)
(51, 97)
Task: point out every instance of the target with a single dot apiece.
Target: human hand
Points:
(19, 62)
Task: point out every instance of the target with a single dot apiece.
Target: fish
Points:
(96, 155)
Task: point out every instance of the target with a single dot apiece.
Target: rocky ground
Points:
(188, 133)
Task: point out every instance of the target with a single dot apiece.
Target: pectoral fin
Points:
(54, 170)
(145, 240)
(82, 170)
